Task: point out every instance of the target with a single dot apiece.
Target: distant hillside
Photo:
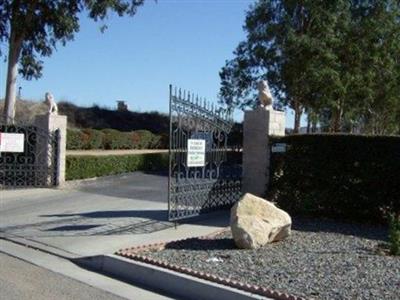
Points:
(100, 118)
(26, 110)
(95, 117)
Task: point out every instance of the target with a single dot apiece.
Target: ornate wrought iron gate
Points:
(201, 177)
(37, 165)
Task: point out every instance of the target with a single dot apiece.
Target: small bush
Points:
(113, 139)
(147, 140)
(93, 139)
(80, 167)
(394, 233)
(75, 139)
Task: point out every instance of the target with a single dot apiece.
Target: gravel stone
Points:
(320, 260)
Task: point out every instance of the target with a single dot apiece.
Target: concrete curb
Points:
(163, 280)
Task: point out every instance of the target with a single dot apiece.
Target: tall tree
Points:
(279, 48)
(337, 60)
(376, 88)
(33, 28)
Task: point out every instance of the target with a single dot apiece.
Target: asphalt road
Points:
(20, 280)
(84, 219)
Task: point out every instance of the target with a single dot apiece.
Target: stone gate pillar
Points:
(258, 126)
(50, 123)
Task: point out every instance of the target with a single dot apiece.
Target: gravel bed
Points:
(320, 260)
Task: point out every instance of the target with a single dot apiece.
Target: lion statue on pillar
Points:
(264, 95)
(51, 104)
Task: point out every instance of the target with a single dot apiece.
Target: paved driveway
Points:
(94, 217)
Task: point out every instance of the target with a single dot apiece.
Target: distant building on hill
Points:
(122, 106)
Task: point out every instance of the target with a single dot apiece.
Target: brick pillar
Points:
(258, 126)
(51, 123)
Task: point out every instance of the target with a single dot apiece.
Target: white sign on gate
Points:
(196, 155)
(11, 142)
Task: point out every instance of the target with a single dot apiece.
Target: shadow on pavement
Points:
(213, 219)
(157, 215)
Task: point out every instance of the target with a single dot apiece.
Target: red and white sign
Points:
(11, 142)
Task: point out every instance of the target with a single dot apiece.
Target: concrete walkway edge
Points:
(170, 283)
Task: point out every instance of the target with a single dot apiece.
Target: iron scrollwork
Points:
(37, 165)
(217, 184)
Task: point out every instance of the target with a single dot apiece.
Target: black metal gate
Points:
(201, 177)
(36, 165)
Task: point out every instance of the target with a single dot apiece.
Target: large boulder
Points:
(256, 222)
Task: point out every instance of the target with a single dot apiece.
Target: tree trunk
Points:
(336, 121)
(314, 126)
(297, 117)
(14, 51)
(337, 117)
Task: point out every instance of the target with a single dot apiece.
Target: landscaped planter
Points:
(320, 260)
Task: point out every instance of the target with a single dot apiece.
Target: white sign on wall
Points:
(11, 142)
(278, 147)
(196, 155)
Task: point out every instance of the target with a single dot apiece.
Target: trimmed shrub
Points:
(114, 139)
(75, 139)
(93, 139)
(111, 139)
(80, 167)
(147, 140)
(338, 176)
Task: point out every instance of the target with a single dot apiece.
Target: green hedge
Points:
(80, 167)
(86, 139)
(349, 177)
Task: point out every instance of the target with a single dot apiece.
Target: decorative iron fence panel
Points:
(211, 181)
(37, 165)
